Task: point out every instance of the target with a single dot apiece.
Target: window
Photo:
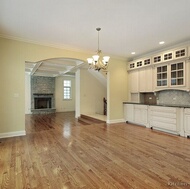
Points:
(66, 89)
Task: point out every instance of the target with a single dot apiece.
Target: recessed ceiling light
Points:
(161, 42)
(133, 53)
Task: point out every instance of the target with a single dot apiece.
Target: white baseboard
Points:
(12, 134)
(115, 121)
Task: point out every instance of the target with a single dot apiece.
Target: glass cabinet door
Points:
(177, 74)
(162, 76)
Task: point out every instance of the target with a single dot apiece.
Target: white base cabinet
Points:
(137, 114)
(129, 112)
(141, 115)
(172, 120)
(187, 122)
(168, 119)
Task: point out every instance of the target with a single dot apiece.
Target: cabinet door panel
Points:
(144, 116)
(133, 81)
(142, 80)
(137, 115)
(128, 112)
(187, 123)
(141, 114)
(149, 80)
(145, 80)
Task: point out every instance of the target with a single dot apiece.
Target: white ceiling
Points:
(127, 25)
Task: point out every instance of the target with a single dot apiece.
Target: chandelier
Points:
(97, 62)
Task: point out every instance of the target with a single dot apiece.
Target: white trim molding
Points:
(115, 121)
(12, 134)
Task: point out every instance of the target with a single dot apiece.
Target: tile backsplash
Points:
(148, 98)
(174, 97)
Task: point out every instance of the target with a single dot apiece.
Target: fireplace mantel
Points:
(42, 94)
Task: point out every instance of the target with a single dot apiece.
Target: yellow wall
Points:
(92, 93)
(13, 55)
(117, 90)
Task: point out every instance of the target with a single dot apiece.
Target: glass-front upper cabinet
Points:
(162, 76)
(171, 75)
(177, 74)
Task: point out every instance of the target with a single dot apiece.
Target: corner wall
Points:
(117, 90)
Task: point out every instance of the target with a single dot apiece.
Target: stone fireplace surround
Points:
(42, 95)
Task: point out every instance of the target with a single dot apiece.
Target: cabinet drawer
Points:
(163, 114)
(164, 119)
(163, 109)
(165, 126)
(144, 107)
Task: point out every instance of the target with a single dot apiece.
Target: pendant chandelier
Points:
(97, 62)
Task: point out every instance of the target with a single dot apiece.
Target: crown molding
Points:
(64, 47)
(43, 43)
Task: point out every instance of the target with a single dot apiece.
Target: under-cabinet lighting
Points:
(133, 53)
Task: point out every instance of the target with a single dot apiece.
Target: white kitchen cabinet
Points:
(145, 79)
(162, 76)
(157, 58)
(167, 119)
(168, 56)
(187, 122)
(180, 53)
(166, 70)
(141, 115)
(133, 81)
(175, 120)
(129, 112)
(137, 114)
(171, 76)
(141, 80)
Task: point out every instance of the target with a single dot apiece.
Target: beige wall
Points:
(92, 93)
(13, 55)
(117, 90)
(62, 105)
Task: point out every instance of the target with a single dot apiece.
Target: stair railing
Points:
(105, 106)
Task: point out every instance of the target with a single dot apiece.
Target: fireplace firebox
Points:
(42, 102)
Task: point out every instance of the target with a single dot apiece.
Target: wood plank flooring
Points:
(60, 153)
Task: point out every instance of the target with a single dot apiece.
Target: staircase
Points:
(87, 120)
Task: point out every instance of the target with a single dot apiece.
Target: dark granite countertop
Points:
(164, 105)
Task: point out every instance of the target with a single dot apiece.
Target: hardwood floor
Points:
(60, 153)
